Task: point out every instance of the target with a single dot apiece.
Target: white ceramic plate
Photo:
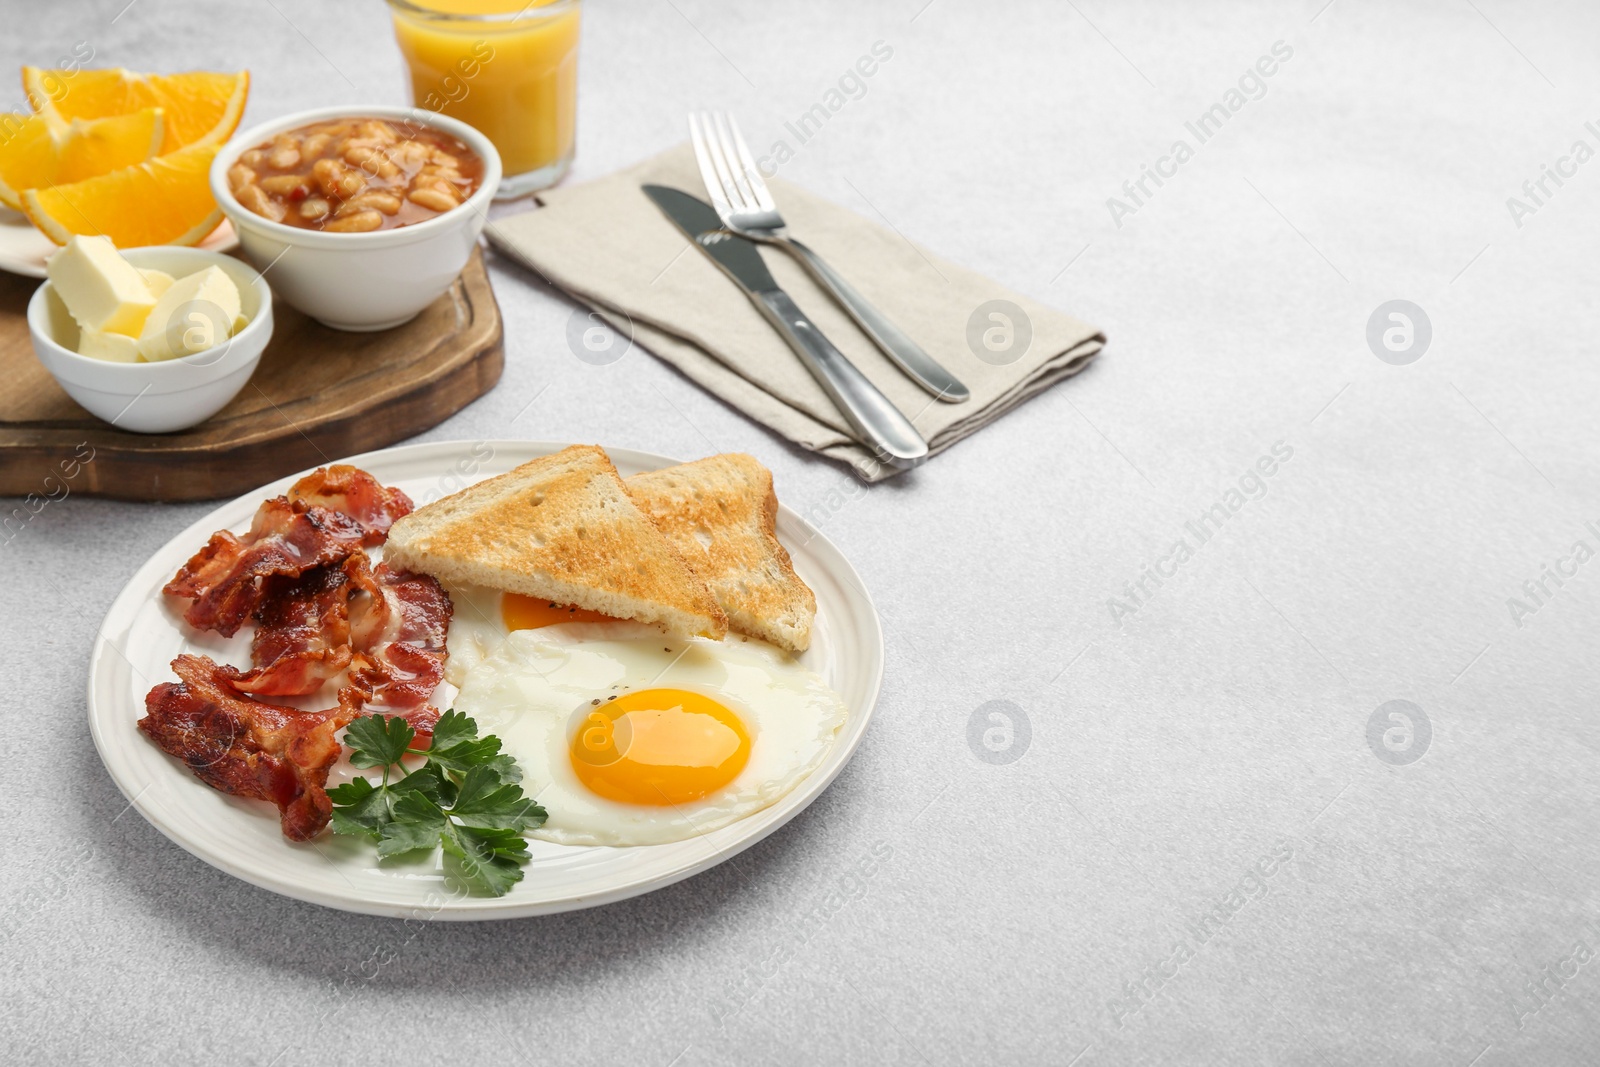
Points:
(142, 634)
(23, 249)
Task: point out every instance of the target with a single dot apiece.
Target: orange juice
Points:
(508, 67)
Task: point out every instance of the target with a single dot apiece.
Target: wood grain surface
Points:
(318, 394)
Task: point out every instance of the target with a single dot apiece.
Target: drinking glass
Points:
(507, 67)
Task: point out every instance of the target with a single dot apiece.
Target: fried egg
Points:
(629, 737)
(483, 618)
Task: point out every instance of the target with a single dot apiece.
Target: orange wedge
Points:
(40, 150)
(200, 107)
(163, 201)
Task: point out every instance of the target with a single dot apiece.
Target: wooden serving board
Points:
(318, 394)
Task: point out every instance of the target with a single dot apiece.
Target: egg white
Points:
(533, 689)
(476, 629)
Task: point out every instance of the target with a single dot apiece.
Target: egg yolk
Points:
(659, 747)
(522, 612)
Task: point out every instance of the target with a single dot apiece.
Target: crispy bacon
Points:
(321, 609)
(353, 492)
(227, 578)
(302, 633)
(249, 748)
(326, 516)
(389, 626)
(398, 623)
(422, 720)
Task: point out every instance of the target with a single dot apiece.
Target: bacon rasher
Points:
(321, 609)
(249, 748)
(353, 492)
(227, 577)
(302, 636)
(388, 626)
(398, 623)
(325, 517)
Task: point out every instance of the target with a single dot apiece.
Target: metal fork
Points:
(740, 195)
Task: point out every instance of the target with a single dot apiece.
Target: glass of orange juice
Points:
(508, 67)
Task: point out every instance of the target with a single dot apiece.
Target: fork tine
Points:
(729, 144)
(720, 163)
(752, 173)
(708, 169)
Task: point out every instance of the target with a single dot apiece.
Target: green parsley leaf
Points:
(506, 768)
(417, 824)
(486, 803)
(490, 859)
(426, 780)
(466, 799)
(465, 755)
(359, 808)
(452, 727)
(378, 740)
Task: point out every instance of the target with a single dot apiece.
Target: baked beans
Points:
(355, 175)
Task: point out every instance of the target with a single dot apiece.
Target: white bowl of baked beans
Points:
(360, 217)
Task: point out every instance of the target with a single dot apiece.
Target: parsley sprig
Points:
(465, 798)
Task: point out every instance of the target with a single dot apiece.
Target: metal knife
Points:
(881, 425)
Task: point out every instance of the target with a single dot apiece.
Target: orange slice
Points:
(200, 107)
(163, 201)
(40, 150)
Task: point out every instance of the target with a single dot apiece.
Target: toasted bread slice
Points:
(561, 527)
(721, 514)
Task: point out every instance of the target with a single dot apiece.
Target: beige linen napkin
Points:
(606, 244)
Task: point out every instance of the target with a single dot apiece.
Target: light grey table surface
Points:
(1205, 753)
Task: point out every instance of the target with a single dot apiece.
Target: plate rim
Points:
(26, 268)
(470, 908)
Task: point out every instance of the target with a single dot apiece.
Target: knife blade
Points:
(880, 424)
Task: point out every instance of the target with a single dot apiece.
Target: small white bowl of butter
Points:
(151, 340)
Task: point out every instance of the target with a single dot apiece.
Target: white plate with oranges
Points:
(25, 250)
(114, 153)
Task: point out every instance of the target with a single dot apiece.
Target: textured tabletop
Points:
(1138, 789)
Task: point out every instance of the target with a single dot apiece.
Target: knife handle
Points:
(890, 339)
(883, 429)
